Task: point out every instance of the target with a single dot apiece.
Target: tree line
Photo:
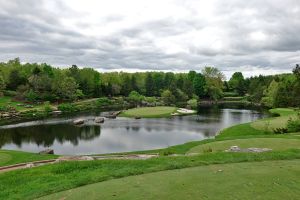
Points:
(41, 82)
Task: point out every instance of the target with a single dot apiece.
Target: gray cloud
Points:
(253, 35)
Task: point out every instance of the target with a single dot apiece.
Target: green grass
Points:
(53, 178)
(149, 112)
(262, 126)
(255, 180)
(8, 101)
(8, 157)
(283, 111)
(240, 130)
(269, 124)
(272, 143)
(63, 176)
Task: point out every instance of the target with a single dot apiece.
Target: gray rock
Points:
(235, 148)
(99, 120)
(47, 151)
(78, 121)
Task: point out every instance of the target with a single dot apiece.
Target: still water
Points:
(121, 134)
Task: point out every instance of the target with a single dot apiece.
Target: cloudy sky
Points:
(252, 36)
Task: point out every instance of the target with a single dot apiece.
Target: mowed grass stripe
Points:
(276, 144)
(159, 111)
(260, 180)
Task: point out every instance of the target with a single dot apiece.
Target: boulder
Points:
(99, 120)
(47, 151)
(5, 115)
(78, 121)
(234, 148)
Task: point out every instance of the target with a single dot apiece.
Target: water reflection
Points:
(121, 134)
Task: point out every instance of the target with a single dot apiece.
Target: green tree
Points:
(167, 97)
(270, 94)
(15, 79)
(214, 82)
(2, 85)
(126, 85)
(237, 83)
(149, 85)
(134, 84)
(191, 75)
(199, 84)
(66, 88)
(135, 97)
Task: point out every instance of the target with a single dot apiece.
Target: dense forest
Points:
(34, 82)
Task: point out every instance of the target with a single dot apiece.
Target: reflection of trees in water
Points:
(46, 135)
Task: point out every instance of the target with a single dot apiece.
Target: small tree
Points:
(135, 97)
(2, 85)
(168, 97)
(193, 103)
(47, 107)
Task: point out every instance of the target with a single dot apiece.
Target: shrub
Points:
(104, 101)
(280, 130)
(293, 125)
(4, 108)
(166, 152)
(193, 103)
(9, 93)
(32, 96)
(208, 150)
(66, 107)
(230, 94)
(47, 107)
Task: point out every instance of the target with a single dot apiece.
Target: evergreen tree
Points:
(199, 84)
(149, 85)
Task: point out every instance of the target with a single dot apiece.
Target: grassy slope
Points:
(58, 177)
(149, 112)
(235, 181)
(276, 144)
(8, 157)
(260, 127)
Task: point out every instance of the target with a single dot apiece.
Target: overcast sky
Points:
(252, 36)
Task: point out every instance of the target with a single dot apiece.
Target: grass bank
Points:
(8, 157)
(53, 178)
(269, 180)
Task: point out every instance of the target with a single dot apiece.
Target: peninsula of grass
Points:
(149, 112)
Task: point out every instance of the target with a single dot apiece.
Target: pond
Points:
(120, 134)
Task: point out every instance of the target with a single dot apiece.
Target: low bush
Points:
(193, 103)
(280, 130)
(66, 107)
(104, 101)
(293, 125)
(47, 107)
(9, 93)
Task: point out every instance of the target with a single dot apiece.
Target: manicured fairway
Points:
(258, 180)
(149, 112)
(13, 157)
(276, 144)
